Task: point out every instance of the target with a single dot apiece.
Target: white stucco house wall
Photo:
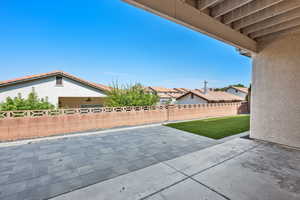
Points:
(61, 89)
(239, 91)
(191, 99)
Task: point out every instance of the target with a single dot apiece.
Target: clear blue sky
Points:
(105, 40)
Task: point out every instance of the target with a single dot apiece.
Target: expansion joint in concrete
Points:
(164, 188)
(211, 189)
(228, 159)
(191, 176)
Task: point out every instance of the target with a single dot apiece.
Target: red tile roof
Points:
(199, 90)
(241, 89)
(168, 96)
(164, 96)
(175, 95)
(54, 73)
(213, 96)
(104, 87)
(162, 89)
(182, 90)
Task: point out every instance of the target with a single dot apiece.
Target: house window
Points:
(192, 96)
(59, 80)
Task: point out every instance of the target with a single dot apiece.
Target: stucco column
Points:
(276, 92)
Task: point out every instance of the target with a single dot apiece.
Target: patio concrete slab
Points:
(133, 186)
(48, 168)
(199, 161)
(189, 190)
(258, 171)
(267, 172)
(152, 163)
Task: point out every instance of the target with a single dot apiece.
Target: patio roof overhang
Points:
(266, 30)
(241, 23)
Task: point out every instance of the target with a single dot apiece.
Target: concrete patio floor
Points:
(47, 168)
(240, 169)
(151, 163)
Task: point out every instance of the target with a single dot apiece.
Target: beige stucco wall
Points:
(276, 92)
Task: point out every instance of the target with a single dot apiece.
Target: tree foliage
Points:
(225, 88)
(32, 102)
(130, 95)
(248, 98)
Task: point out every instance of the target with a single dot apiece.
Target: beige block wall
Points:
(32, 127)
(275, 114)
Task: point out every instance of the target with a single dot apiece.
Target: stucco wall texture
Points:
(32, 127)
(275, 106)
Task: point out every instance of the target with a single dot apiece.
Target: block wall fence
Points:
(15, 125)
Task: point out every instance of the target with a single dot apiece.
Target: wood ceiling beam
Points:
(248, 9)
(274, 36)
(267, 13)
(276, 28)
(182, 13)
(193, 3)
(203, 4)
(227, 6)
(293, 14)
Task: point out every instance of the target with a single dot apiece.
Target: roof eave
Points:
(57, 73)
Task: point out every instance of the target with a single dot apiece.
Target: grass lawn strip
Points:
(216, 128)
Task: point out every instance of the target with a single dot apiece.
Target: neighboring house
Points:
(162, 90)
(196, 97)
(199, 90)
(182, 90)
(202, 90)
(168, 98)
(239, 91)
(62, 89)
(166, 95)
(164, 99)
(174, 97)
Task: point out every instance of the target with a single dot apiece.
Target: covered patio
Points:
(269, 32)
(155, 162)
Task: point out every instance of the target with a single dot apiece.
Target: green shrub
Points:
(130, 95)
(33, 102)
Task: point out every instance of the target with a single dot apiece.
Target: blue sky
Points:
(106, 40)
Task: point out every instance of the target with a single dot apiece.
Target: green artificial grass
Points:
(215, 128)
